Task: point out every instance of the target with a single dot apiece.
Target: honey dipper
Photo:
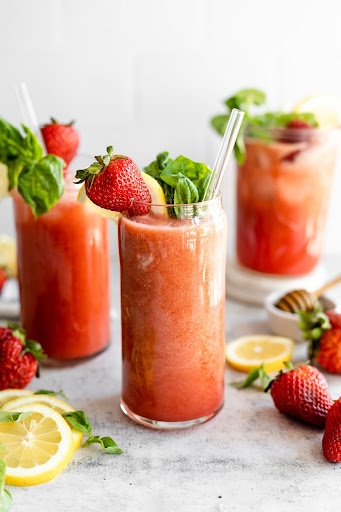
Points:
(302, 299)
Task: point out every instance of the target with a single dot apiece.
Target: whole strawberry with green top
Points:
(18, 357)
(301, 392)
(115, 183)
(61, 140)
(331, 442)
(323, 332)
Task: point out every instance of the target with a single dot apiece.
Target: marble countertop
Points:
(248, 458)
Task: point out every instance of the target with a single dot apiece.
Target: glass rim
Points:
(209, 201)
(282, 129)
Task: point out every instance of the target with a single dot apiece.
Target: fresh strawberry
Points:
(323, 331)
(18, 357)
(115, 183)
(301, 392)
(3, 277)
(298, 123)
(61, 140)
(296, 130)
(331, 442)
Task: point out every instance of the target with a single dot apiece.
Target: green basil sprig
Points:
(80, 422)
(39, 179)
(51, 393)
(13, 417)
(6, 500)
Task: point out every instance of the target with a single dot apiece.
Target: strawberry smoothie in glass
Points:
(283, 191)
(173, 310)
(63, 266)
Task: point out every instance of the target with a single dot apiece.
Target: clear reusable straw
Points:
(28, 112)
(224, 154)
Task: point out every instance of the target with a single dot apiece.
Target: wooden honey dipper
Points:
(302, 299)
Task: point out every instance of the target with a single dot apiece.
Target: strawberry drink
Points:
(63, 265)
(285, 174)
(283, 191)
(63, 255)
(172, 255)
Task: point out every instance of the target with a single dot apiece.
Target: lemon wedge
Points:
(11, 394)
(3, 181)
(51, 401)
(8, 255)
(327, 110)
(248, 352)
(37, 448)
(155, 190)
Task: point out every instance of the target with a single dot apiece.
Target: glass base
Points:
(166, 425)
(58, 363)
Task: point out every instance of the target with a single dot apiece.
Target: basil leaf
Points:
(41, 183)
(13, 417)
(154, 169)
(197, 173)
(31, 144)
(51, 393)
(251, 377)
(107, 444)
(6, 500)
(245, 98)
(79, 421)
(185, 191)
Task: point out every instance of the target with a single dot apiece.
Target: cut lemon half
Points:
(51, 401)
(3, 181)
(37, 448)
(155, 190)
(327, 110)
(248, 352)
(11, 394)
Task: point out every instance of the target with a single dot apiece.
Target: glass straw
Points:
(225, 151)
(28, 112)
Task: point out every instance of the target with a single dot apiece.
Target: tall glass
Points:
(173, 314)
(283, 191)
(63, 266)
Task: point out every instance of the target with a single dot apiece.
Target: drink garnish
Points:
(61, 140)
(39, 178)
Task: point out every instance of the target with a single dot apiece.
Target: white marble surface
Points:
(248, 458)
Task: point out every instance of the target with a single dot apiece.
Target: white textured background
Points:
(146, 75)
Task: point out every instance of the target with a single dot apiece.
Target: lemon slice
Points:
(327, 110)
(8, 255)
(11, 394)
(248, 352)
(51, 401)
(37, 448)
(3, 181)
(155, 190)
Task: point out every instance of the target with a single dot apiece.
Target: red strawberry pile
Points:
(18, 357)
(302, 392)
(115, 183)
(61, 140)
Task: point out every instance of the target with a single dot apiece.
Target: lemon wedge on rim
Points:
(51, 401)
(11, 394)
(8, 255)
(250, 351)
(156, 194)
(327, 110)
(37, 448)
(3, 181)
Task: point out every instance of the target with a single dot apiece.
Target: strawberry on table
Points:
(323, 331)
(115, 183)
(301, 392)
(61, 140)
(18, 357)
(331, 442)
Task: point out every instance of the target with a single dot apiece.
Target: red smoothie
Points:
(173, 311)
(63, 265)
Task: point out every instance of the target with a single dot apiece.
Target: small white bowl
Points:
(285, 324)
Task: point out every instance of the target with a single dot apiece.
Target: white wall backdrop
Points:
(146, 75)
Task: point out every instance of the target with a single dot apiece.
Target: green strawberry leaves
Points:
(313, 324)
(6, 500)
(101, 163)
(39, 179)
(80, 422)
(29, 346)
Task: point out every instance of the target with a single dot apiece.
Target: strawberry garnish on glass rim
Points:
(114, 182)
(61, 140)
